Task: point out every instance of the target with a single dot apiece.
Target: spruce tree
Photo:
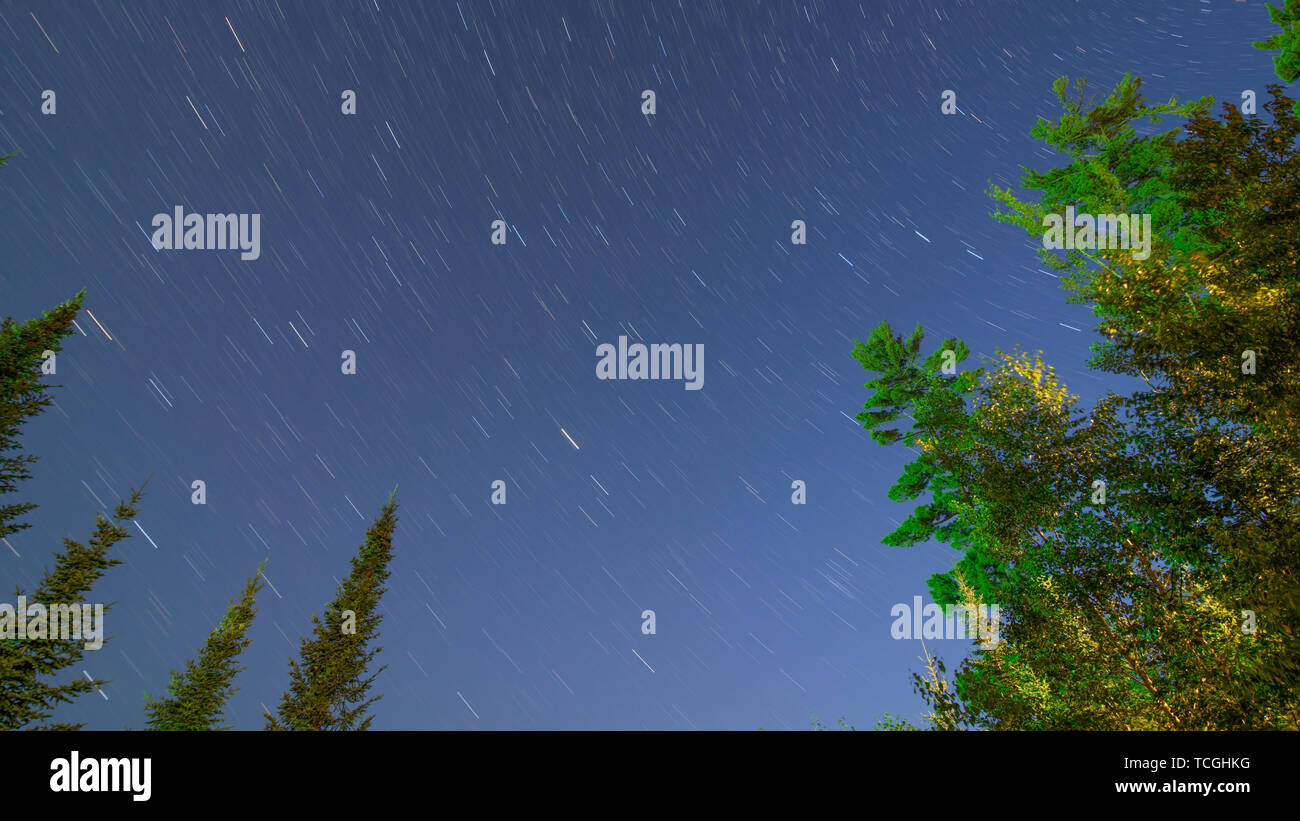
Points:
(328, 685)
(23, 349)
(26, 696)
(196, 697)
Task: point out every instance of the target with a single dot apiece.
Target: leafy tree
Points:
(197, 697)
(1208, 323)
(1124, 609)
(328, 684)
(1115, 616)
(936, 403)
(1286, 64)
(1113, 169)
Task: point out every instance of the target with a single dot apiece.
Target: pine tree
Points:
(25, 666)
(22, 395)
(328, 684)
(24, 697)
(197, 697)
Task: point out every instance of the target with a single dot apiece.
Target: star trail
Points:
(461, 202)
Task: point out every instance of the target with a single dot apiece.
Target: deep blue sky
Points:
(472, 358)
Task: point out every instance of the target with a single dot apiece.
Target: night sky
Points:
(477, 362)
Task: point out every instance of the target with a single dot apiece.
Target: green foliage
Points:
(1113, 168)
(26, 667)
(328, 685)
(328, 689)
(1124, 611)
(196, 697)
(1116, 614)
(893, 723)
(843, 724)
(1287, 41)
(26, 697)
(935, 402)
(22, 395)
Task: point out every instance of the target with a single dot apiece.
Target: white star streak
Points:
(273, 590)
(237, 40)
(471, 709)
(643, 661)
(146, 535)
(101, 327)
(92, 681)
(562, 681)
